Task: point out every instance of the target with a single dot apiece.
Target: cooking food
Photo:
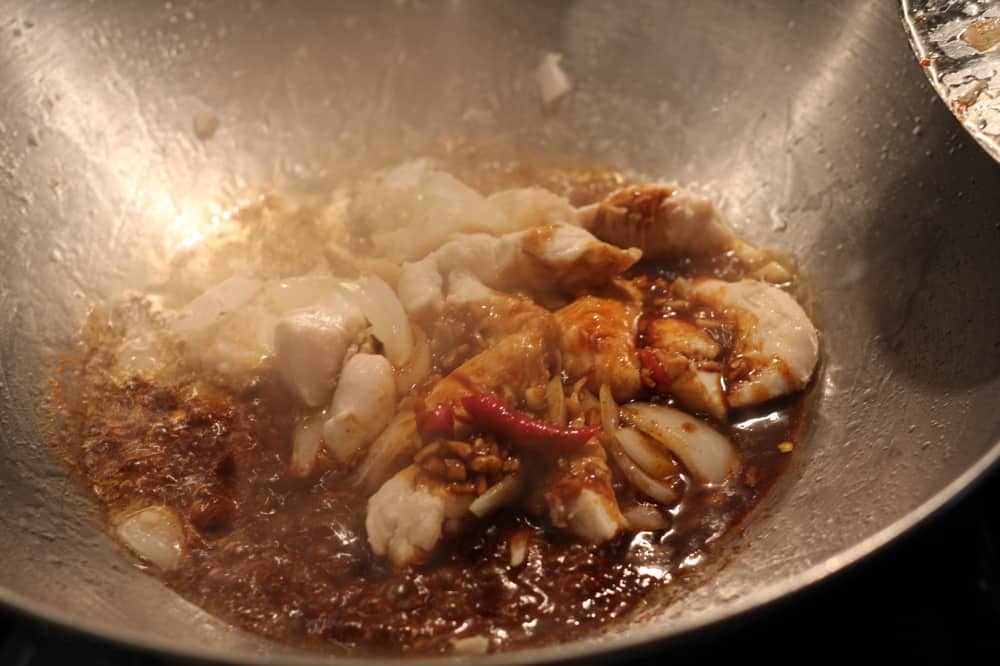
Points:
(421, 416)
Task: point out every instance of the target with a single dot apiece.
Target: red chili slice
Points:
(437, 423)
(497, 416)
(649, 361)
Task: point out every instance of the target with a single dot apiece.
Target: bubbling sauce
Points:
(288, 557)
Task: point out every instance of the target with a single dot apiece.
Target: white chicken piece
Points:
(362, 406)
(663, 221)
(598, 342)
(310, 346)
(230, 328)
(544, 259)
(681, 348)
(777, 347)
(490, 259)
(415, 208)
(700, 390)
(529, 207)
(572, 258)
(408, 515)
(580, 496)
(682, 337)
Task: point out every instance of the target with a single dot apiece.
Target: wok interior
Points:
(813, 126)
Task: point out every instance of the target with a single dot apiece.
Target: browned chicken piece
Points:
(682, 337)
(597, 338)
(777, 346)
(552, 259)
(661, 220)
(508, 369)
(580, 497)
(687, 355)
(523, 351)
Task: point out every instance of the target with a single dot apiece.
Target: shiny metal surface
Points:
(958, 44)
(811, 120)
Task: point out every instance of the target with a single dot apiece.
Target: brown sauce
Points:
(288, 557)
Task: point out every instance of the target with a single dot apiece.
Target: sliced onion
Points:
(470, 645)
(155, 534)
(555, 398)
(643, 517)
(418, 366)
(707, 454)
(208, 308)
(519, 547)
(390, 452)
(609, 410)
(650, 456)
(294, 293)
(497, 496)
(552, 80)
(654, 488)
(389, 323)
(307, 439)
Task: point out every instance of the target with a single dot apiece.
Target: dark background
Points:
(933, 595)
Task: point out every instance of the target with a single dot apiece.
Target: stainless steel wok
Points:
(812, 120)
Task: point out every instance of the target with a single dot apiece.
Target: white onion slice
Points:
(609, 410)
(418, 366)
(653, 488)
(497, 496)
(155, 534)
(470, 645)
(555, 398)
(390, 452)
(519, 547)
(388, 319)
(552, 80)
(208, 308)
(643, 517)
(307, 438)
(707, 454)
(650, 456)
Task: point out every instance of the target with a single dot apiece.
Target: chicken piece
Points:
(414, 208)
(580, 497)
(508, 369)
(542, 260)
(598, 337)
(681, 347)
(777, 347)
(661, 220)
(529, 207)
(310, 346)
(496, 313)
(362, 406)
(677, 335)
(700, 390)
(231, 327)
(421, 287)
(408, 515)
(572, 258)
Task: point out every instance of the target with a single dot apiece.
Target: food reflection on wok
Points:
(422, 416)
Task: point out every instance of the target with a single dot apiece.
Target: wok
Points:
(812, 121)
